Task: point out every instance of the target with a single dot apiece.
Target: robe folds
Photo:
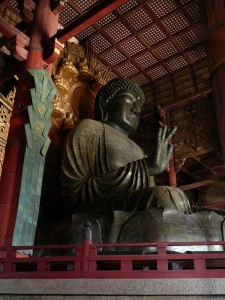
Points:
(103, 170)
(100, 163)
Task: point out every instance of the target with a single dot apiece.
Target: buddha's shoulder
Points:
(87, 126)
(89, 123)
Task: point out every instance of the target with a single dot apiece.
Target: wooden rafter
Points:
(10, 31)
(80, 23)
(197, 153)
(201, 183)
(18, 40)
(5, 2)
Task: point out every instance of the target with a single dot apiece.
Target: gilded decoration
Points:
(6, 105)
(78, 75)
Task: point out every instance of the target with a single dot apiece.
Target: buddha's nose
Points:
(136, 110)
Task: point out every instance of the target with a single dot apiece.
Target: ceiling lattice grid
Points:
(145, 40)
(142, 39)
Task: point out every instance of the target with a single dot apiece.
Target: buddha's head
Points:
(119, 103)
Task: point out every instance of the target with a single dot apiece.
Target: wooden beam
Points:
(82, 22)
(200, 183)
(27, 8)
(191, 175)
(185, 101)
(57, 6)
(197, 153)
(11, 31)
(4, 3)
(204, 165)
(5, 40)
(179, 103)
(19, 41)
(214, 206)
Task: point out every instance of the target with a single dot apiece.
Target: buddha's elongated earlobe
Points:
(105, 116)
(104, 112)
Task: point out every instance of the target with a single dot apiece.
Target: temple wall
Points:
(213, 195)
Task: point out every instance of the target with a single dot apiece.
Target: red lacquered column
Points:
(44, 26)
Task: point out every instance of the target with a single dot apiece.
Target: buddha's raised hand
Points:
(161, 157)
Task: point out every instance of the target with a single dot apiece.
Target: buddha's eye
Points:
(129, 100)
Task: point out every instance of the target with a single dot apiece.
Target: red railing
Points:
(88, 260)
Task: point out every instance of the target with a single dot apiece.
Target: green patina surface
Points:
(37, 145)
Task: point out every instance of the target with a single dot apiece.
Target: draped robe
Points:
(103, 170)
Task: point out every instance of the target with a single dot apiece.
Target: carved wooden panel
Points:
(5, 115)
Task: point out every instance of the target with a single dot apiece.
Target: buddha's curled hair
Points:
(109, 91)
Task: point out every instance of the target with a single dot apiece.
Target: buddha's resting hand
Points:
(160, 159)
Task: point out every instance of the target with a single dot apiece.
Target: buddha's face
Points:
(124, 111)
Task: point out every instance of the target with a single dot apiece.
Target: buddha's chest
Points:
(121, 150)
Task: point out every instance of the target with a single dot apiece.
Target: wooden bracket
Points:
(27, 8)
(53, 52)
(18, 40)
(57, 6)
(4, 3)
(17, 48)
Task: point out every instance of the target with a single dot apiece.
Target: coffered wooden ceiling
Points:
(144, 40)
(159, 44)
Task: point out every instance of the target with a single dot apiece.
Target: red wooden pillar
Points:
(215, 14)
(44, 26)
(172, 173)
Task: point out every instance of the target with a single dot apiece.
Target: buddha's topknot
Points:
(109, 91)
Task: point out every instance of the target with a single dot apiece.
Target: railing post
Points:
(85, 247)
(126, 265)
(8, 266)
(162, 263)
(77, 263)
(199, 264)
(42, 266)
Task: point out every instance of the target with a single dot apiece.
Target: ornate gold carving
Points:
(77, 68)
(11, 96)
(68, 70)
(4, 121)
(62, 85)
(58, 105)
(6, 105)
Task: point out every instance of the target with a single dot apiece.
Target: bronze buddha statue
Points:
(104, 171)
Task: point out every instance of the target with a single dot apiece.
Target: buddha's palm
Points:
(160, 159)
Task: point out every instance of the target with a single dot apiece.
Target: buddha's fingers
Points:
(164, 132)
(159, 136)
(170, 134)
